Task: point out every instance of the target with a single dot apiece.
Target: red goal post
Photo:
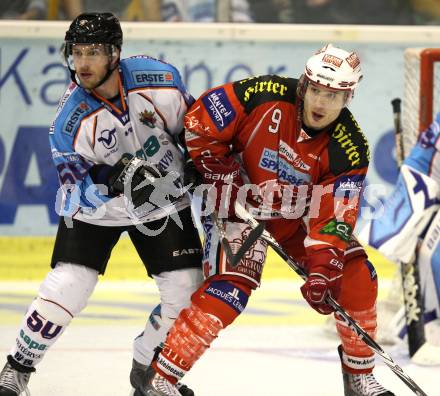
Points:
(421, 100)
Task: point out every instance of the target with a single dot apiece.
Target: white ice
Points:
(277, 347)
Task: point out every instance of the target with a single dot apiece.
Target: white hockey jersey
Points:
(410, 207)
(90, 130)
(411, 214)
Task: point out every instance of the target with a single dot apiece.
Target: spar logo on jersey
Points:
(219, 108)
(108, 138)
(74, 117)
(348, 186)
(153, 78)
(286, 172)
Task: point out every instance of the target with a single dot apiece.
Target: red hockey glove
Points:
(221, 172)
(325, 276)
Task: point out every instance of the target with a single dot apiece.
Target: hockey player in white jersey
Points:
(409, 229)
(114, 146)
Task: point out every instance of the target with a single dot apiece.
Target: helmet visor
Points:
(318, 96)
(91, 54)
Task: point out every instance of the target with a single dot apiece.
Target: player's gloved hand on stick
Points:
(325, 277)
(220, 172)
(191, 176)
(136, 179)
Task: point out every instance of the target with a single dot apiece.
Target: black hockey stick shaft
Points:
(398, 135)
(361, 333)
(414, 307)
(247, 244)
(234, 259)
(220, 226)
(412, 292)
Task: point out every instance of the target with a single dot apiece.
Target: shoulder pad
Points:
(254, 91)
(70, 89)
(73, 111)
(348, 147)
(143, 71)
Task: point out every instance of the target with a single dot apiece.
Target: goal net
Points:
(421, 100)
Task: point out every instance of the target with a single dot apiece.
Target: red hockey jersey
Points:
(257, 120)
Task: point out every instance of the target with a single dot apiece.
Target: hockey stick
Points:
(222, 234)
(397, 113)
(412, 293)
(350, 322)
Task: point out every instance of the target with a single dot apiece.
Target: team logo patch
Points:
(147, 118)
(339, 229)
(229, 294)
(74, 118)
(348, 186)
(219, 108)
(153, 78)
(108, 138)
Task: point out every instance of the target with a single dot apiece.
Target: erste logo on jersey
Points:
(74, 117)
(219, 108)
(271, 162)
(153, 78)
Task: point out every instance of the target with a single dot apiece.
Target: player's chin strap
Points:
(350, 322)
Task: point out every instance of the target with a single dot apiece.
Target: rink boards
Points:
(125, 294)
(28, 258)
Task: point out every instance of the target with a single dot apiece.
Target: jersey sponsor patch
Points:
(348, 147)
(271, 162)
(219, 108)
(228, 293)
(153, 78)
(337, 228)
(348, 186)
(254, 91)
(288, 152)
(74, 118)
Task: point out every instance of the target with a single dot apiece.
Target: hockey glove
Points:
(223, 174)
(137, 179)
(191, 176)
(325, 278)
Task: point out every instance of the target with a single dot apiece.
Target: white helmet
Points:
(335, 68)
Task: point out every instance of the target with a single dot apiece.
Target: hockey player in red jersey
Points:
(296, 153)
